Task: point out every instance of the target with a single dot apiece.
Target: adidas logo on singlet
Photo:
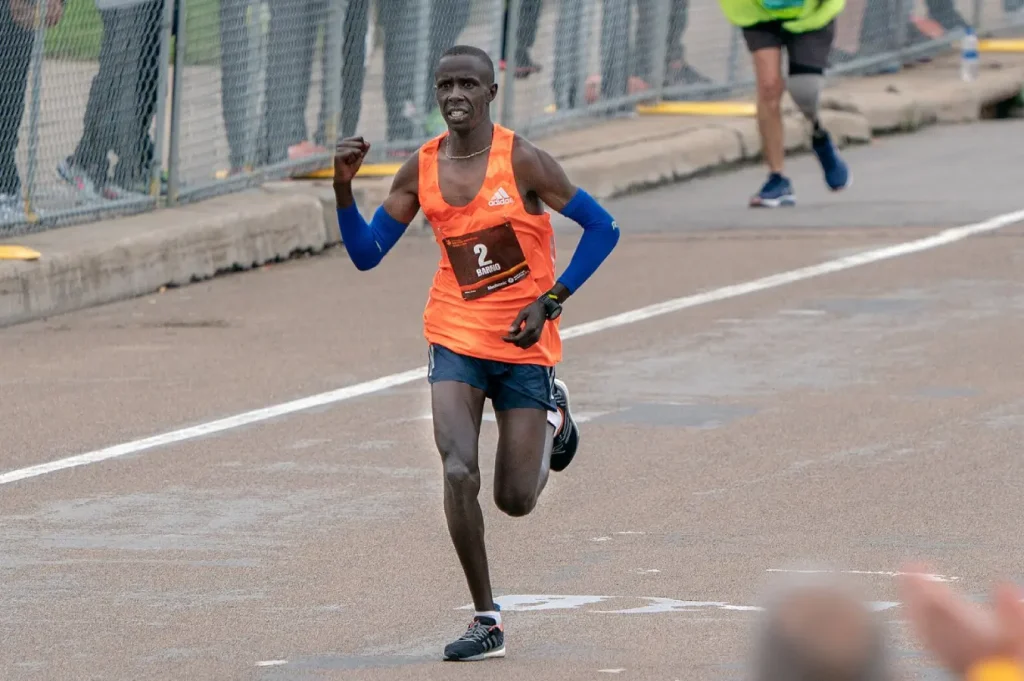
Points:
(500, 198)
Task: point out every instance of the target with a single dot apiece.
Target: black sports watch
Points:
(552, 308)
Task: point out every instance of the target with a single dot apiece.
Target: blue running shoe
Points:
(837, 174)
(777, 191)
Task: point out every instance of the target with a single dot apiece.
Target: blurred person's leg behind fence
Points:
(526, 36)
(353, 71)
(111, 100)
(132, 142)
(448, 19)
(234, 86)
(15, 57)
(878, 33)
(615, 27)
(677, 69)
(568, 31)
(398, 20)
(641, 53)
(945, 13)
(290, 46)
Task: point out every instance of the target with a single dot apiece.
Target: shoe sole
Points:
(83, 192)
(571, 422)
(568, 403)
(849, 183)
(774, 203)
(497, 652)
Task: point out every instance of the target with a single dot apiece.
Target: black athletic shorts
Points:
(809, 50)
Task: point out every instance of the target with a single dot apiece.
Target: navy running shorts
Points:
(509, 386)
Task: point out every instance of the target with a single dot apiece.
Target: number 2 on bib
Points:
(486, 261)
(481, 253)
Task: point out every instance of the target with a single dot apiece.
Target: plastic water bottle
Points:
(969, 56)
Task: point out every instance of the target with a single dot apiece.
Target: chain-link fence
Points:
(80, 86)
(115, 106)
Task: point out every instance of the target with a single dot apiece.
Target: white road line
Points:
(879, 573)
(654, 605)
(943, 238)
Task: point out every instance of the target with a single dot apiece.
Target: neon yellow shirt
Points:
(798, 16)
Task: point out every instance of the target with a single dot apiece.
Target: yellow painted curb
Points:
(367, 170)
(698, 109)
(8, 252)
(1001, 45)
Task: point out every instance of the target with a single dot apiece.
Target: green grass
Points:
(77, 37)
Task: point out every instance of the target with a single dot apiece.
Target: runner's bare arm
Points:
(367, 244)
(543, 176)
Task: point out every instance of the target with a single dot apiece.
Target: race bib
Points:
(486, 261)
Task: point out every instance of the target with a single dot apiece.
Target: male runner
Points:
(806, 28)
(491, 318)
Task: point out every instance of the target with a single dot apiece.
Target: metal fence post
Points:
(156, 171)
(976, 15)
(508, 98)
(38, 53)
(732, 74)
(174, 140)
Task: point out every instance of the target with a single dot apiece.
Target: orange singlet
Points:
(495, 260)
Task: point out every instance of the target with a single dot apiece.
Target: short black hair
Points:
(471, 51)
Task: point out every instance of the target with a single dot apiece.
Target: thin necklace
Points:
(448, 144)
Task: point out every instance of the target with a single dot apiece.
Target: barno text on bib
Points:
(486, 261)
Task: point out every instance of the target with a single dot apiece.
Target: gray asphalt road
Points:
(857, 419)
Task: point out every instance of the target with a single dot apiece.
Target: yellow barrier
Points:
(698, 109)
(367, 170)
(1001, 45)
(9, 252)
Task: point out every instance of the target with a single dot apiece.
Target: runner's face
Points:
(464, 91)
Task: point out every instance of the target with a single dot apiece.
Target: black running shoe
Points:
(563, 449)
(484, 639)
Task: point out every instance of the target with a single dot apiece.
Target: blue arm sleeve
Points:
(600, 235)
(367, 244)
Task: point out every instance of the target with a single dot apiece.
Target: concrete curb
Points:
(105, 262)
(896, 104)
(99, 263)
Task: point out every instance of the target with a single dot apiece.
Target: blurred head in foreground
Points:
(816, 627)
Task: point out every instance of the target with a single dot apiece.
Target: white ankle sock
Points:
(556, 419)
(493, 614)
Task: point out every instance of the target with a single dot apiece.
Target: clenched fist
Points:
(348, 158)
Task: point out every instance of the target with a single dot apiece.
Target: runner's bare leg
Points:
(523, 459)
(458, 410)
